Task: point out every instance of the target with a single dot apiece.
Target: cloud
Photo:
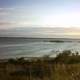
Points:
(5, 11)
(14, 17)
(6, 25)
(14, 24)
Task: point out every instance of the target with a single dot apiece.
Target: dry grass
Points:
(39, 71)
(60, 68)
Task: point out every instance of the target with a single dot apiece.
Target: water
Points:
(34, 47)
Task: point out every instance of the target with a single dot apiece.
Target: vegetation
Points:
(65, 66)
(58, 41)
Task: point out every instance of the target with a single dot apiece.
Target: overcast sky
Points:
(40, 13)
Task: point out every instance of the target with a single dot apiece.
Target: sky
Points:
(60, 14)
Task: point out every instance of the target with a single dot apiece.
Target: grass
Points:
(65, 66)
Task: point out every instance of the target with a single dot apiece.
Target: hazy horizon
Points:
(44, 32)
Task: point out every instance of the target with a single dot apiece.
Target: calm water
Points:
(33, 47)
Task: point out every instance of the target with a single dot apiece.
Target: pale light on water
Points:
(32, 49)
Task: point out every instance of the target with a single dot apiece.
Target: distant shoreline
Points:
(40, 38)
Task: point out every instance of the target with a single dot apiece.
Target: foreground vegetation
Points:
(65, 66)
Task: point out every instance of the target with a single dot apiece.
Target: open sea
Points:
(35, 47)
